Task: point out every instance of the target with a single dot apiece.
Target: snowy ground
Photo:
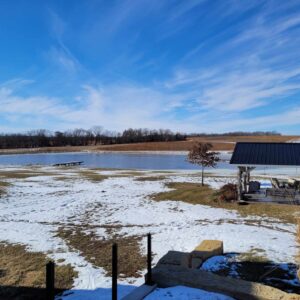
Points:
(36, 207)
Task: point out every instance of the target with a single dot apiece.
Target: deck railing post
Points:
(114, 272)
(149, 260)
(50, 280)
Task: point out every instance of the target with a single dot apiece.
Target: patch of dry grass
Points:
(64, 178)
(92, 176)
(95, 176)
(22, 174)
(151, 178)
(196, 194)
(131, 173)
(3, 187)
(254, 255)
(192, 193)
(20, 268)
(298, 230)
(98, 251)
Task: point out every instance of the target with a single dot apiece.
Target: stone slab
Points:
(236, 288)
(176, 258)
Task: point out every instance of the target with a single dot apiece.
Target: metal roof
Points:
(272, 154)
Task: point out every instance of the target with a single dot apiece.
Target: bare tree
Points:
(201, 154)
(97, 131)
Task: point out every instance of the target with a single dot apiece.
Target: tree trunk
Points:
(202, 177)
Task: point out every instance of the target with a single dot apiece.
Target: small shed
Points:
(248, 155)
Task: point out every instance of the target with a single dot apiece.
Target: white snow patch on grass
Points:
(185, 293)
(33, 211)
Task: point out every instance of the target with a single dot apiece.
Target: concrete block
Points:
(236, 288)
(207, 249)
(176, 258)
(196, 262)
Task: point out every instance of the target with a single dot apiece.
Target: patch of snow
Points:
(220, 262)
(215, 263)
(33, 210)
(99, 293)
(185, 293)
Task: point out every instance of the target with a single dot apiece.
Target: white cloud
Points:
(237, 89)
(60, 53)
(120, 107)
(114, 107)
(256, 66)
(214, 90)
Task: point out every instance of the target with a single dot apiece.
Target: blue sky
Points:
(191, 66)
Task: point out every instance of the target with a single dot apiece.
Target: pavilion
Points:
(248, 155)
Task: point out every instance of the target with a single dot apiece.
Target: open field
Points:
(73, 215)
(219, 143)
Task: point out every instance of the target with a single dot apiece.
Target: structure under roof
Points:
(268, 154)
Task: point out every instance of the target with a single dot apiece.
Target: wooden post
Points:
(245, 176)
(149, 261)
(239, 184)
(50, 280)
(248, 177)
(114, 272)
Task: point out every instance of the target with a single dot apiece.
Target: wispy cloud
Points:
(194, 65)
(255, 69)
(60, 53)
(111, 107)
(238, 90)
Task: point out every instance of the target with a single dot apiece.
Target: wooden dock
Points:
(67, 164)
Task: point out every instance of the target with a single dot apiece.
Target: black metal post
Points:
(114, 272)
(50, 280)
(149, 261)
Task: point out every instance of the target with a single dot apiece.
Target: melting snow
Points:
(36, 207)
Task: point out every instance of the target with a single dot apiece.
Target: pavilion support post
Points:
(245, 180)
(239, 183)
(248, 176)
(249, 169)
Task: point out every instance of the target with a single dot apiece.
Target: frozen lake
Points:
(117, 160)
(131, 160)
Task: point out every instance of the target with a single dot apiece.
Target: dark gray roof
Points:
(275, 154)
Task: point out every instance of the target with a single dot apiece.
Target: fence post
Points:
(149, 260)
(114, 271)
(50, 280)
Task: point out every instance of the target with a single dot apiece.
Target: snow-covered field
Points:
(35, 207)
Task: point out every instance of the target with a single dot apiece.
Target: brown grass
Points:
(192, 193)
(151, 178)
(21, 174)
(298, 230)
(196, 194)
(3, 187)
(219, 143)
(92, 176)
(98, 251)
(254, 255)
(20, 268)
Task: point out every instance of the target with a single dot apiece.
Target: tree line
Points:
(98, 136)
(81, 137)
